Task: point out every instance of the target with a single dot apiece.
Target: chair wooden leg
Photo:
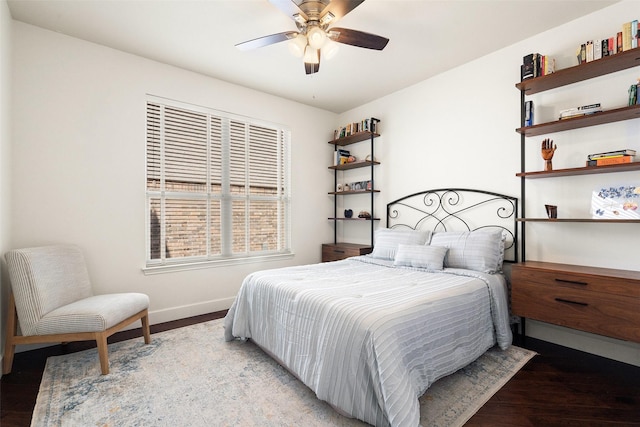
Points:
(12, 330)
(145, 329)
(103, 352)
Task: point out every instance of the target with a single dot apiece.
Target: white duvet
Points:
(369, 338)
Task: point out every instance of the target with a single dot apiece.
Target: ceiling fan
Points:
(313, 18)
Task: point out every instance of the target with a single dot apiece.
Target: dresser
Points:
(602, 301)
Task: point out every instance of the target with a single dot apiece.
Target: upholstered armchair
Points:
(52, 300)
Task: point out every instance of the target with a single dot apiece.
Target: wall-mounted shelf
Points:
(354, 219)
(345, 193)
(586, 170)
(607, 221)
(353, 138)
(354, 165)
(339, 250)
(608, 116)
(578, 73)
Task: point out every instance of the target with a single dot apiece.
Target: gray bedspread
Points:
(370, 338)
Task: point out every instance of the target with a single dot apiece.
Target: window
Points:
(217, 186)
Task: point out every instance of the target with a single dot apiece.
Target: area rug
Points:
(191, 376)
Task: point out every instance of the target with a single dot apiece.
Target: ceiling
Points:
(427, 37)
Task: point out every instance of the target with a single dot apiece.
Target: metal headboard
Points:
(458, 209)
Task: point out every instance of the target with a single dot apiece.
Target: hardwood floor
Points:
(558, 387)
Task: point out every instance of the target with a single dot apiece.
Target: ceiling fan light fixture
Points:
(316, 37)
(297, 45)
(311, 55)
(330, 49)
(326, 19)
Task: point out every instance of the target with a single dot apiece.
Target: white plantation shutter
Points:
(217, 185)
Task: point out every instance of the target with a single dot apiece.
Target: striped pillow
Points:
(387, 241)
(420, 256)
(480, 250)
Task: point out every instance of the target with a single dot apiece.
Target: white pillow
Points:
(480, 250)
(386, 241)
(421, 256)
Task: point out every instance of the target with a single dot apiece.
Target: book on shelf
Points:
(536, 65)
(597, 49)
(617, 160)
(626, 36)
(633, 94)
(528, 113)
(589, 52)
(619, 42)
(580, 111)
(624, 152)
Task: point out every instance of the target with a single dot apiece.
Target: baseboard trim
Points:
(190, 310)
(611, 348)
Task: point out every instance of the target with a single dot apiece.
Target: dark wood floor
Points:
(558, 387)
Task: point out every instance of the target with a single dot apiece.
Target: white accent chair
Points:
(53, 302)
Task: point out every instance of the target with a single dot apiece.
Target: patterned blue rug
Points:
(190, 376)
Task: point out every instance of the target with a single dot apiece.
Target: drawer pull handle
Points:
(584, 304)
(573, 282)
(338, 251)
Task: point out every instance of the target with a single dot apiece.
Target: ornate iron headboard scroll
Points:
(458, 209)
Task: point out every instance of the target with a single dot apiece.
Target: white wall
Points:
(458, 130)
(79, 164)
(5, 151)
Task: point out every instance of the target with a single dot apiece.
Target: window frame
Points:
(225, 197)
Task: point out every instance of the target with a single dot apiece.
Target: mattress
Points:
(370, 338)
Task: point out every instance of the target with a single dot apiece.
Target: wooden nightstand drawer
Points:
(338, 251)
(601, 301)
(616, 282)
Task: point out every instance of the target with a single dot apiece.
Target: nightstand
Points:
(338, 251)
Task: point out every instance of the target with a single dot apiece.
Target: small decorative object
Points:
(339, 187)
(548, 148)
(369, 158)
(616, 203)
(552, 211)
(346, 187)
(348, 213)
(364, 214)
(351, 159)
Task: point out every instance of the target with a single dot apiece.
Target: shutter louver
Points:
(185, 150)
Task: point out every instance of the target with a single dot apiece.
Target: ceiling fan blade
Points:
(312, 68)
(289, 8)
(266, 40)
(340, 8)
(358, 38)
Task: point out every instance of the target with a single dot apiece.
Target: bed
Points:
(370, 334)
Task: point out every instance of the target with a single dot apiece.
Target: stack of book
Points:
(611, 157)
(536, 65)
(355, 127)
(598, 48)
(580, 111)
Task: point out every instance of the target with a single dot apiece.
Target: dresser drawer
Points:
(617, 282)
(596, 303)
(338, 251)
